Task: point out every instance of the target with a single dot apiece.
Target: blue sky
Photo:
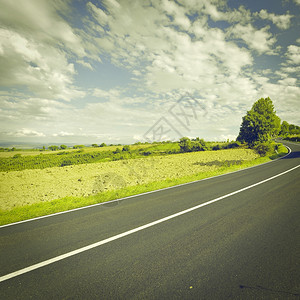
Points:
(126, 71)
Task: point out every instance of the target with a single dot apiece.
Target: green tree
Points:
(78, 146)
(199, 145)
(260, 123)
(102, 145)
(94, 145)
(284, 128)
(62, 147)
(53, 148)
(185, 144)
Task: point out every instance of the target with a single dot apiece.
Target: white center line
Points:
(118, 236)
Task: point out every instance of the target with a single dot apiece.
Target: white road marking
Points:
(118, 236)
(134, 196)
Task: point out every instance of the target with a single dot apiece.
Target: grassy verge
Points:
(68, 203)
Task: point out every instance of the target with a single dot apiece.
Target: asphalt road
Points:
(244, 246)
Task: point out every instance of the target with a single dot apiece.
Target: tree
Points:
(102, 145)
(94, 145)
(284, 128)
(62, 147)
(260, 123)
(185, 144)
(53, 148)
(199, 145)
(78, 146)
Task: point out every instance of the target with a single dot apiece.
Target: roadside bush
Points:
(293, 139)
(264, 149)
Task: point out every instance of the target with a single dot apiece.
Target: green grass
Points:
(67, 203)
(61, 158)
(23, 160)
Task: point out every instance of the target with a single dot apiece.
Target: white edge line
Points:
(118, 236)
(141, 194)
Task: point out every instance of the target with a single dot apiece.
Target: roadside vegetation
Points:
(40, 182)
(87, 155)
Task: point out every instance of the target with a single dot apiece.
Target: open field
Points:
(34, 152)
(30, 186)
(32, 193)
(61, 158)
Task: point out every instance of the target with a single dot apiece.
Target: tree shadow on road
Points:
(295, 154)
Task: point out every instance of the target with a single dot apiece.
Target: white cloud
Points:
(259, 40)
(281, 21)
(85, 64)
(63, 134)
(38, 19)
(25, 132)
(218, 11)
(106, 94)
(293, 54)
(31, 55)
(172, 59)
(166, 53)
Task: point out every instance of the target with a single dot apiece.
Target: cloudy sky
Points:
(134, 70)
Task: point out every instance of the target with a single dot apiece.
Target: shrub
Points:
(66, 162)
(126, 148)
(264, 148)
(146, 153)
(233, 144)
(216, 147)
(118, 150)
(78, 146)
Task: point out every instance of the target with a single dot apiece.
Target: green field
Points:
(34, 192)
(22, 160)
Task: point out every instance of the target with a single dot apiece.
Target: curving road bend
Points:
(234, 236)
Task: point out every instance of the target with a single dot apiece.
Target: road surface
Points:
(172, 244)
